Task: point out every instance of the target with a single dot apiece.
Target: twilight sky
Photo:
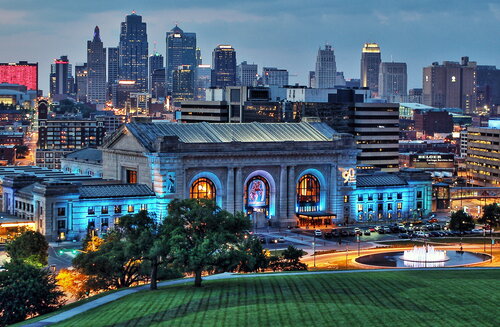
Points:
(282, 33)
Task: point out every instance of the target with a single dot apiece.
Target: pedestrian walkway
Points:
(117, 295)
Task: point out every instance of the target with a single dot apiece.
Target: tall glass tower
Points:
(223, 66)
(133, 49)
(370, 66)
(181, 51)
(96, 70)
(326, 68)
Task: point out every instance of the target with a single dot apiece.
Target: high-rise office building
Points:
(450, 85)
(113, 62)
(158, 85)
(199, 60)
(181, 50)
(223, 66)
(246, 74)
(202, 76)
(155, 63)
(326, 68)
(96, 64)
(22, 73)
(275, 76)
(392, 81)
(370, 65)
(488, 86)
(81, 80)
(183, 83)
(312, 79)
(133, 52)
(61, 79)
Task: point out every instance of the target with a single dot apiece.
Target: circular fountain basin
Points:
(394, 260)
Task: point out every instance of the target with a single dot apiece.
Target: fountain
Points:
(424, 254)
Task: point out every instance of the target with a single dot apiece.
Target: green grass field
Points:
(410, 298)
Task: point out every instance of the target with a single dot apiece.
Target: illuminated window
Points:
(118, 209)
(144, 207)
(131, 176)
(202, 188)
(308, 193)
(104, 210)
(360, 207)
(346, 198)
(400, 205)
(257, 192)
(130, 208)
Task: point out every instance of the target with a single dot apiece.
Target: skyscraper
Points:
(81, 80)
(275, 76)
(96, 63)
(326, 68)
(183, 83)
(203, 74)
(223, 66)
(133, 52)
(370, 65)
(450, 85)
(155, 63)
(181, 50)
(113, 61)
(61, 79)
(392, 81)
(246, 74)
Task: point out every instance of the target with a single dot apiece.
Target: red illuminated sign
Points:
(23, 74)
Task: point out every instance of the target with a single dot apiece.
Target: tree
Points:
(289, 260)
(30, 247)
(22, 151)
(25, 291)
(110, 266)
(198, 232)
(461, 221)
(491, 216)
(74, 283)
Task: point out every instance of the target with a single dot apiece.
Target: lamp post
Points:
(314, 249)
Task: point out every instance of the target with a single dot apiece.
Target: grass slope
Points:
(410, 298)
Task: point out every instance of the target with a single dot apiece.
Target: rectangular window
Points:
(419, 194)
(370, 207)
(381, 196)
(346, 198)
(61, 224)
(389, 206)
(61, 212)
(400, 205)
(118, 209)
(104, 222)
(144, 207)
(419, 204)
(360, 207)
(400, 196)
(389, 196)
(130, 208)
(131, 176)
(399, 214)
(91, 211)
(370, 197)
(380, 207)
(360, 197)
(104, 210)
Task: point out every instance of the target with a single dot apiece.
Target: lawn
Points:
(376, 298)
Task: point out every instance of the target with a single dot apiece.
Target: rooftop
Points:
(87, 154)
(147, 133)
(379, 179)
(114, 191)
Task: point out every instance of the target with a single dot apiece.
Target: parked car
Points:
(372, 229)
(357, 231)
(421, 234)
(434, 234)
(386, 229)
(477, 231)
(404, 236)
(367, 232)
(281, 240)
(318, 232)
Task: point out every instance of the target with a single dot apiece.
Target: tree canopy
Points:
(29, 247)
(491, 215)
(462, 221)
(199, 232)
(26, 290)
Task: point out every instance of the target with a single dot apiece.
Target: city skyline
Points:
(284, 36)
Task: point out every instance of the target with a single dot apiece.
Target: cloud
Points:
(12, 17)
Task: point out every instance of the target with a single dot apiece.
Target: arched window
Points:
(202, 188)
(308, 193)
(257, 192)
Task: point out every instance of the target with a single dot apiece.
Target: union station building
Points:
(280, 174)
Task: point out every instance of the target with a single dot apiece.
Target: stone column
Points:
(238, 185)
(230, 190)
(292, 196)
(283, 191)
(333, 191)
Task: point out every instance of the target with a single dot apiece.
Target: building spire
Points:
(97, 36)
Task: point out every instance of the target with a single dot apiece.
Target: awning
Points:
(316, 214)
(8, 220)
